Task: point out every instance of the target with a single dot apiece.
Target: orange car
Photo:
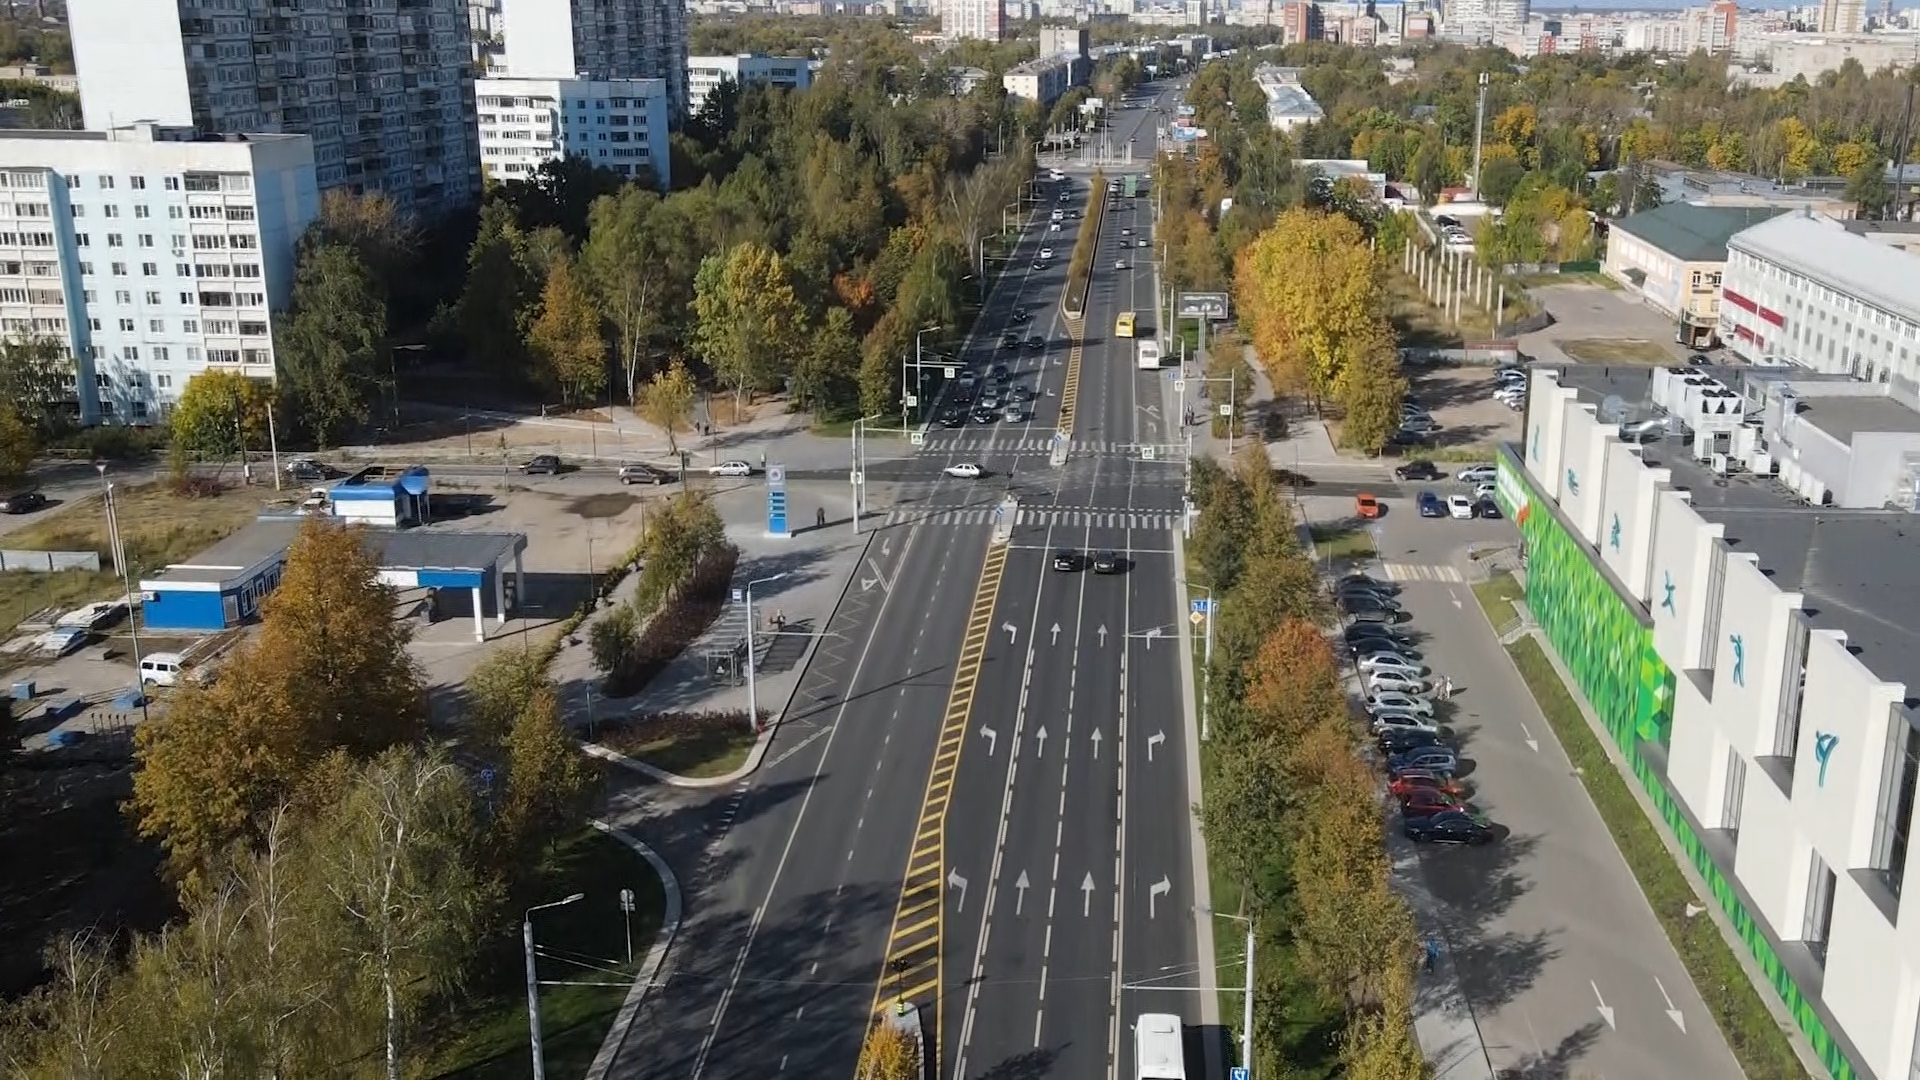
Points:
(1366, 505)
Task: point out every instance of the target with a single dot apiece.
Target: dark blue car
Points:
(1449, 827)
(1430, 505)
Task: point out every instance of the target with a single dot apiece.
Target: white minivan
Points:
(162, 669)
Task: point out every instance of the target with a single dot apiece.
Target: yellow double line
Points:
(1070, 390)
(913, 969)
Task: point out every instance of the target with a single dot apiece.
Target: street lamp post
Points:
(1206, 661)
(1246, 1017)
(117, 550)
(1232, 379)
(904, 395)
(858, 474)
(533, 982)
(753, 708)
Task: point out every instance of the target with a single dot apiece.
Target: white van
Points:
(162, 669)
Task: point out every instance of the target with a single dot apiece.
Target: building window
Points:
(150, 269)
(171, 183)
(122, 296)
(119, 269)
(1793, 695)
(156, 326)
(1894, 819)
(160, 354)
(153, 296)
(1818, 922)
(1735, 794)
(140, 211)
(114, 240)
(137, 183)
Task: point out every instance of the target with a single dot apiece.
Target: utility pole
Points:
(1479, 127)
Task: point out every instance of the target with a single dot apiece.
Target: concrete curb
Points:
(759, 751)
(656, 955)
(1196, 837)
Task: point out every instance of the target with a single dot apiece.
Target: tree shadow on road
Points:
(1475, 887)
(1557, 1063)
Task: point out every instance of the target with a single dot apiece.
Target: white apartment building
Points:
(982, 19)
(618, 124)
(1738, 604)
(1041, 80)
(152, 253)
(599, 40)
(385, 91)
(704, 73)
(1801, 289)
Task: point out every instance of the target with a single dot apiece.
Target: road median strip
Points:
(1070, 385)
(913, 969)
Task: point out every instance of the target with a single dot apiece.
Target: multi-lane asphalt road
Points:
(1039, 774)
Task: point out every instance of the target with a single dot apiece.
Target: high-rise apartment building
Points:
(383, 87)
(982, 19)
(600, 40)
(152, 254)
(617, 124)
(1843, 16)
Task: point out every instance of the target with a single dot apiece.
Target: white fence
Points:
(47, 562)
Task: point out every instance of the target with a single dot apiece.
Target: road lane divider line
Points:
(913, 969)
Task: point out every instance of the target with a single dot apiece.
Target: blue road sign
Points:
(1238, 1072)
(777, 512)
(1202, 606)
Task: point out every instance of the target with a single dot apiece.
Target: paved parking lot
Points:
(1584, 311)
(1461, 400)
(1562, 961)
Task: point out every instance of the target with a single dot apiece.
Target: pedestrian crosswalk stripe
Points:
(1420, 572)
(1026, 445)
(1097, 519)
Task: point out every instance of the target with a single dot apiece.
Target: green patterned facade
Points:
(1600, 638)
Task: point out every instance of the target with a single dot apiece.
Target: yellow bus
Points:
(1123, 326)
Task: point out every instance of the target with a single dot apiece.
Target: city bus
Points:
(1158, 1052)
(1123, 326)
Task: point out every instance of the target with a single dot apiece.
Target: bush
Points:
(114, 442)
(688, 611)
(612, 638)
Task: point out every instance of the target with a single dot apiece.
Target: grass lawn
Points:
(1341, 541)
(1578, 277)
(699, 745)
(156, 526)
(1615, 351)
(487, 1038)
(1496, 598)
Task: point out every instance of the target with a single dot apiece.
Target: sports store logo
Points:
(1511, 490)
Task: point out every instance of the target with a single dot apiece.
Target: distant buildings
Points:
(1787, 56)
(617, 124)
(1712, 187)
(1842, 16)
(1288, 103)
(152, 254)
(1043, 79)
(985, 20)
(599, 41)
(388, 111)
(1064, 39)
(704, 73)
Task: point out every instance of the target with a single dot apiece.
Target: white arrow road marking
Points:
(1056, 634)
(1150, 635)
(1673, 1014)
(1533, 744)
(1103, 635)
(867, 584)
(1154, 892)
(955, 881)
(993, 738)
(1154, 740)
(886, 546)
(1456, 602)
(1096, 744)
(1086, 894)
(1013, 633)
(880, 576)
(1020, 893)
(1040, 737)
(1606, 1011)
(1150, 410)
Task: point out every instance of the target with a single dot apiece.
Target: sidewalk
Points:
(818, 566)
(1306, 448)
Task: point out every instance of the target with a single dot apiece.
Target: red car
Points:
(1406, 783)
(1422, 802)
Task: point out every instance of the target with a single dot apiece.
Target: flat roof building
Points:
(1288, 103)
(1042, 80)
(704, 73)
(1674, 257)
(617, 124)
(152, 254)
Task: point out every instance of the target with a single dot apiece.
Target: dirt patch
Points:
(730, 411)
(1615, 351)
(698, 744)
(604, 505)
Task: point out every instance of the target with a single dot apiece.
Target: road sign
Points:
(1195, 305)
(776, 476)
(1146, 453)
(1179, 386)
(1226, 410)
(1238, 1072)
(951, 371)
(913, 401)
(1200, 605)
(918, 438)
(739, 595)
(1196, 618)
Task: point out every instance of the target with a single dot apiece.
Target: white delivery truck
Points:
(1157, 1050)
(1149, 354)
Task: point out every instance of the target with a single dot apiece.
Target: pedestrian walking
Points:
(820, 517)
(1432, 949)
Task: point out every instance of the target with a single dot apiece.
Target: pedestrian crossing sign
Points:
(1238, 1072)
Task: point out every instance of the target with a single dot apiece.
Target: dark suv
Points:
(1419, 470)
(22, 502)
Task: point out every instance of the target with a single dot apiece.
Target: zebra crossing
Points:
(1013, 446)
(1065, 518)
(1420, 572)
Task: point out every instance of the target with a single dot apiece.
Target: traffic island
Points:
(697, 745)
(1073, 299)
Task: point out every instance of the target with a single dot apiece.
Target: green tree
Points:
(33, 375)
(221, 413)
(548, 782)
(665, 401)
(329, 670)
(679, 534)
(1371, 390)
(1868, 190)
(18, 443)
(491, 315)
(1499, 176)
(629, 273)
(827, 377)
(495, 694)
(566, 336)
(747, 320)
(332, 345)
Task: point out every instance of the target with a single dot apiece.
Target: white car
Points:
(1483, 491)
(1459, 507)
(730, 468)
(1476, 474)
(1398, 701)
(1386, 661)
(1381, 681)
(1403, 721)
(1120, 264)
(1055, 227)
(1046, 253)
(1413, 673)
(965, 470)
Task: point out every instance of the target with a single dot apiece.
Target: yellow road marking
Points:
(1070, 390)
(914, 941)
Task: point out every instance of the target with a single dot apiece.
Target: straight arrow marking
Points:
(1020, 892)
(1040, 737)
(1103, 635)
(1606, 1011)
(1533, 744)
(1673, 1014)
(1056, 634)
(1154, 740)
(1096, 744)
(1086, 894)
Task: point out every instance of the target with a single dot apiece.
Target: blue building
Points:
(223, 586)
(375, 496)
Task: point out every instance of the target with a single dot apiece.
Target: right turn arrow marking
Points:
(1154, 740)
(1154, 892)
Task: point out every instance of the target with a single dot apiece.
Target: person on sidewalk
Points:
(820, 518)
(1431, 947)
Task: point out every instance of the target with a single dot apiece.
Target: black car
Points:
(307, 471)
(1353, 604)
(1036, 343)
(953, 418)
(1039, 264)
(1376, 615)
(1021, 315)
(1395, 741)
(1106, 562)
(1487, 508)
(999, 373)
(1419, 470)
(1368, 591)
(22, 502)
(1448, 827)
(542, 463)
(985, 415)
(1370, 582)
(1009, 340)
(1066, 559)
(1364, 638)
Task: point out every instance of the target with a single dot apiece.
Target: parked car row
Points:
(1422, 765)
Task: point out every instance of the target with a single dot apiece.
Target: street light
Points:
(858, 475)
(917, 335)
(1246, 1018)
(753, 709)
(118, 552)
(533, 981)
